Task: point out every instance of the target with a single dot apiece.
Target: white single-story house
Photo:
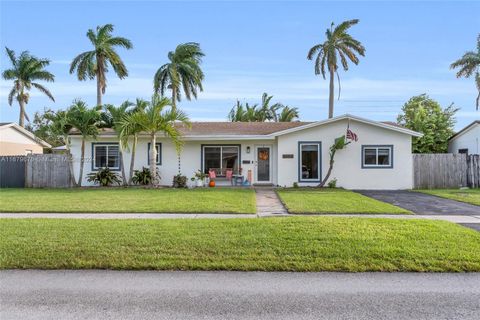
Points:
(18, 141)
(279, 154)
(466, 140)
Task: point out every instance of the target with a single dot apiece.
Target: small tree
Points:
(156, 119)
(425, 115)
(86, 121)
(338, 144)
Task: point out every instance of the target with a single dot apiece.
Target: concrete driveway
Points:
(421, 203)
(101, 294)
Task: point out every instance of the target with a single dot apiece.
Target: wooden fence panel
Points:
(47, 171)
(473, 171)
(445, 171)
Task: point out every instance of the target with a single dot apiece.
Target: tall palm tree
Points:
(469, 64)
(111, 118)
(128, 128)
(339, 45)
(288, 114)
(94, 64)
(183, 71)
(158, 119)
(26, 69)
(86, 121)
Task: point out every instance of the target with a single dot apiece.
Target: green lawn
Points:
(128, 200)
(275, 244)
(333, 201)
(468, 195)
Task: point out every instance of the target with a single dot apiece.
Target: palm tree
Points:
(266, 112)
(339, 46)
(237, 114)
(26, 69)
(288, 114)
(111, 118)
(469, 64)
(155, 119)
(129, 128)
(94, 64)
(86, 121)
(183, 71)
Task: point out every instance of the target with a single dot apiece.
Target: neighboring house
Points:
(281, 153)
(17, 141)
(466, 140)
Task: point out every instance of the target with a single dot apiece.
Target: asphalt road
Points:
(236, 295)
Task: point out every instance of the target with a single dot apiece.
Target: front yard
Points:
(464, 195)
(128, 200)
(333, 201)
(280, 244)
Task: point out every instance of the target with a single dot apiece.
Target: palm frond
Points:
(44, 90)
(120, 42)
(11, 56)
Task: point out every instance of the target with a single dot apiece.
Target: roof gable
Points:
(385, 125)
(25, 132)
(466, 129)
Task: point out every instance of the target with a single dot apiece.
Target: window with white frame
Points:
(106, 156)
(377, 156)
(158, 157)
(309, 161)
(220, 158)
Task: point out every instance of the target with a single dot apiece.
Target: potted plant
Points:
(199, 178)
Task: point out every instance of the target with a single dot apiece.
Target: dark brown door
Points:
(263, 164)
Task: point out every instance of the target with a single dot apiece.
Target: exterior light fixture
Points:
(248, 149)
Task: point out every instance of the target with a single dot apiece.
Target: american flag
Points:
(351, 135)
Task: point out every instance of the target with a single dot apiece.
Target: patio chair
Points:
(212, 174)
(229, 175)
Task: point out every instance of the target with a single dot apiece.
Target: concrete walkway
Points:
(268, 203)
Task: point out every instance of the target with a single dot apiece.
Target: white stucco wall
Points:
(469, 139)
(190, 157)
(348, 168)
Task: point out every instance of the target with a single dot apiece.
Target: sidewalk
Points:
(450, 218)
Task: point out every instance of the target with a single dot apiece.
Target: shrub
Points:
(179, 181)
(332, 183)
(295, 185)
(143, 177)
(105, 177)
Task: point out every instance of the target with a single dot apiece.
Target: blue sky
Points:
(255, 47)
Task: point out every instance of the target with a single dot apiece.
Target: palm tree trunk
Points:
(82, 162)
(132, 161)
(329, 172)
(153, 156)
(99, 91)
(331, 94)
(174, 98)
(70, 162)
(124, 177)
(21, 118)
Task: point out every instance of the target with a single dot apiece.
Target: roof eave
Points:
(28, 134)
(352, 117)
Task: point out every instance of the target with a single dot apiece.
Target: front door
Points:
(263, 159)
